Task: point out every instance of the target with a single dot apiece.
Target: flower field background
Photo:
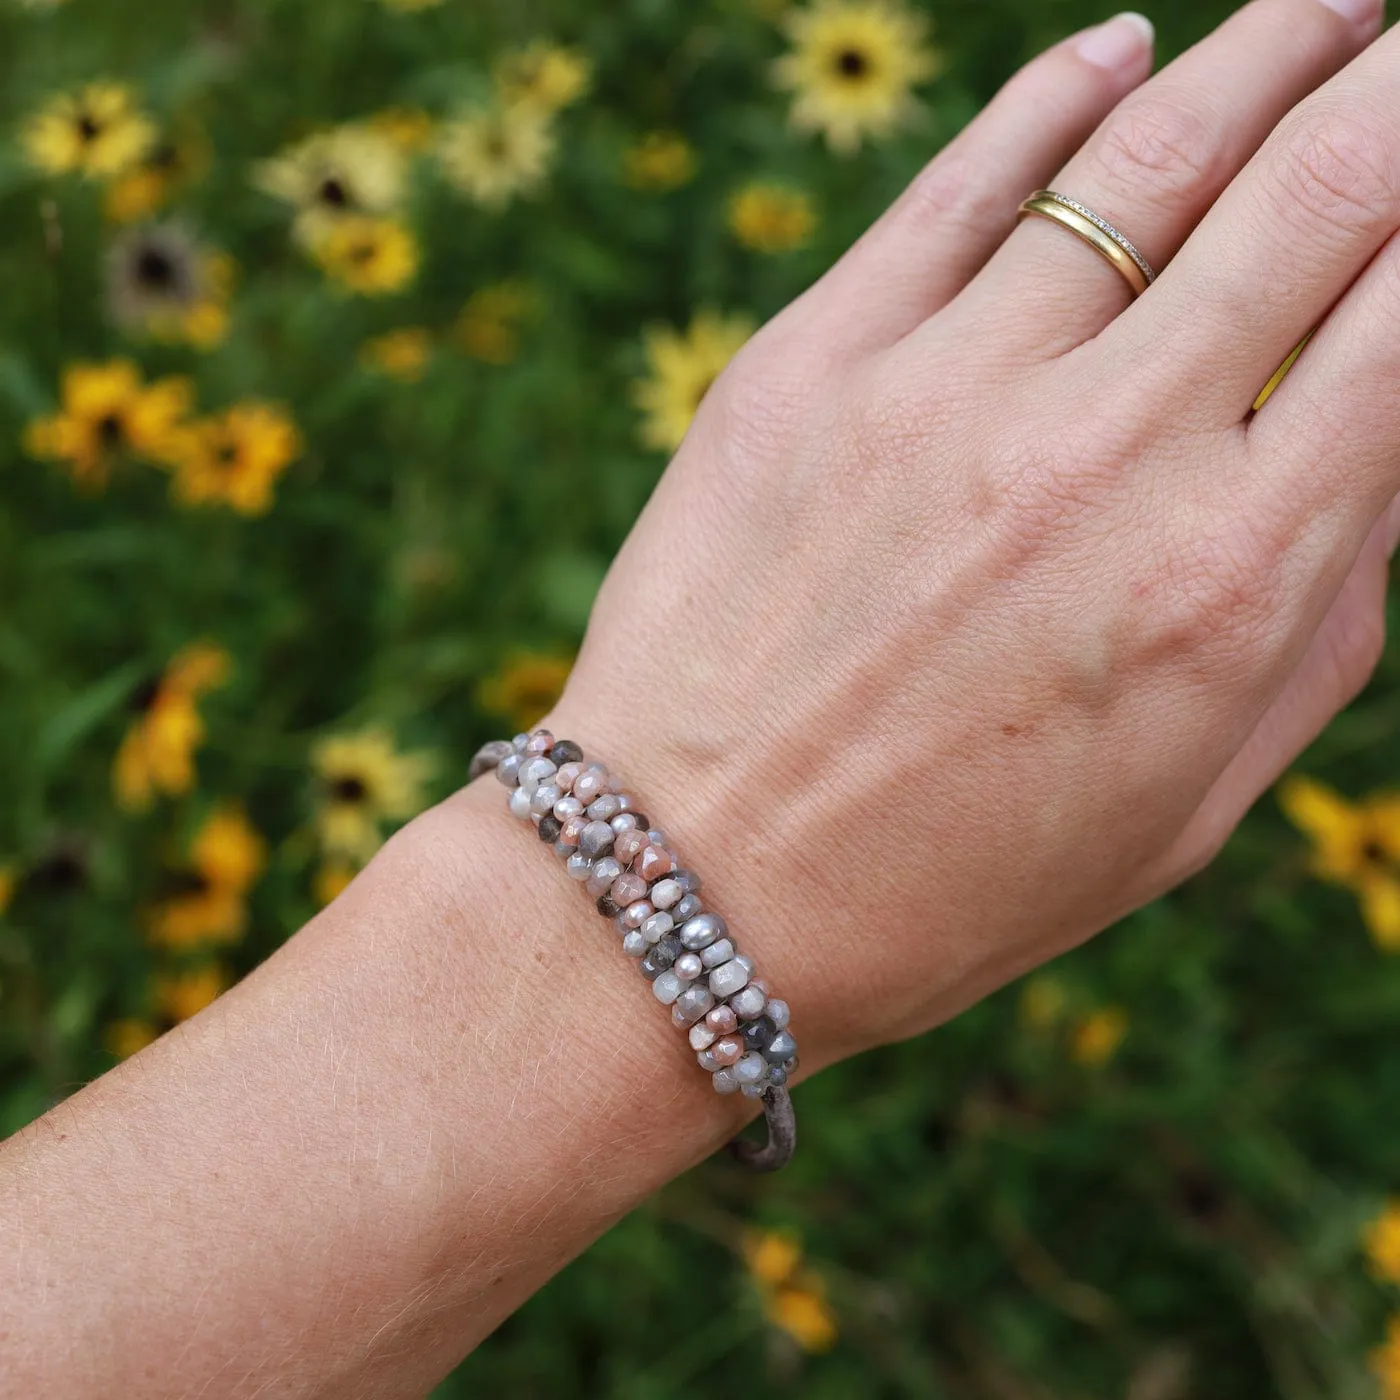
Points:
(339, 346)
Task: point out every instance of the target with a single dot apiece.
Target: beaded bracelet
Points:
(739, 1033)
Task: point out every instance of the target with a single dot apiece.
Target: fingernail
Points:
(1367, 12)
(1126, 37)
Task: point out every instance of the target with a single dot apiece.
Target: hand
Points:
(976, 609)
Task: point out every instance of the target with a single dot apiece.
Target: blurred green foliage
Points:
(990, 1214)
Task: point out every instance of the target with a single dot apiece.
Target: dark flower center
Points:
(110, 430)
(164, 157)
(183, 883)
(226, 454)
(145, 695)
(349, 789)
(89, 128)
(362, 253)
(1373, 853)
(333, 191)
(155, 269)
(851, 63)
(61, 870)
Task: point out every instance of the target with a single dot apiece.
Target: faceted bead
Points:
(566, 751)
(608, 907)
(745, 961)
(540, 742)
(546, 795)
(654, 862)
(752, 1091)
(508, 770)
(724, 1081)
(628, 888)
(777, 1076)
(567, 807)
(758, 1033)
(579, 867)
(567, 775)
(657, 925)
(591, 783)
(571, 829)
(782, 1047)
(642, 822)
(534, 771)
(706, 1060)
(634, 945)
(728, 1050)
(716, 953)
(549, 829)
(519, 804)
(667, 988)
(519, 742)
(749, 1003)
(604, 872)
(655, 835)
(779, 1013)
(624, 821)
(691, 1005)
(751, 1069)
(686, 907)
(728, 978)
(605, 808)
(665, 893)
(562, 850)
(627, 844)
(636, 914)
(661, 956)
(688, 967)
(596, 839)
(722, 1020)
(702, 930)
(701, 1036)
(488, 756)
(688, 880)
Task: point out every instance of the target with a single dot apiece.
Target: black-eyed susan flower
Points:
(98, 131)
(488, 326)
(793, 1297)
(161, 283)
(771, 218)
(681, 367)
(1381, 1241)
(1385, 1361)
(1095, 1038)
(402, 354)
(235, 457)
(352, 170)
(411, 129)
(852, 67)
(208, 898)
(108, 413)
(157, 753)
(659, 161)
(124, 1037)
(548, 77)
(1353, 844)
(370, 256)
(180, 995)
(174, 161)
(364, 781)
(496, 153)
(526, 687)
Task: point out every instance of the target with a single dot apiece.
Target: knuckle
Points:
(954, 191)
(1356, 643)
(1338, 170)
(1161, 146)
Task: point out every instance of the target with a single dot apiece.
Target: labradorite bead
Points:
(566, 751)
(758, 1033)
(662, 955)
(549, 828)
(608, 907)
(717, 953)
(596, 839)
(780, 1049)
(728, 978)
(702, 930)
(508, 770)
(686, 908)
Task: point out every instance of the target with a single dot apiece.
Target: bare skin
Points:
(974, 612)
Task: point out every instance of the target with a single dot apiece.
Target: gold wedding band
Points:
(1098, 233)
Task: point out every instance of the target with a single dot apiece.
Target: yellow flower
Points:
(157, 754)
(851, 68)
(409, 128)
(107, 412)
(545, 76)
(210, 906)
(1385, 1361)
(488, 327)
(370, 256)
(682, 368)
(172, 163)
(1096, 1038)
(349, 171)
(772, 1256)
(125, 1037)
(402, 354)
(185, 994)
(771, 218)
(331, 879)
(1353, 844)
(794, 1298)
(526, 687)
(1042, 1001)
(492, 154)
(235, 457)
(661, 160)
(1381, 1239)
(365, 780)
(9, 879)
(97, 131)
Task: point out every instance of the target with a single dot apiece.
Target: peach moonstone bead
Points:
(629, 845)
(654, 862)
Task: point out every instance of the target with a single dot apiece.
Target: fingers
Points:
(949, 221)
(1161, 160)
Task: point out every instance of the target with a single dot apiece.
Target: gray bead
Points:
(519, 742)
(624, 821)
(604, 872)
(534, 771)
(781, 1047)
(508, 770)
(688, 880)
(488, 756)
(566, 751)
(716, 953)
(607, 906)
(579, 866)
(758, 1033)
(706, 1060)
(701, 1036)
(546, 795)
(665, 893)
(657, 926)
(596, 839)
(519, 804)
(688, 966)
(752, 1069)
(728, 978)
(748, 1003)
(752, 1091)
(724, 1081)
(702, 930)
(548, 829)
(691, 1005)
(745, 960)
(686, 908)
(662, 955)
(656, 836)
(562, 850)
(777, 1076)
(667, 988)
(605, 808)
(779, 1013)
(633, 944)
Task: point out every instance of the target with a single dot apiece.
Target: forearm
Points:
(352, 1166)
